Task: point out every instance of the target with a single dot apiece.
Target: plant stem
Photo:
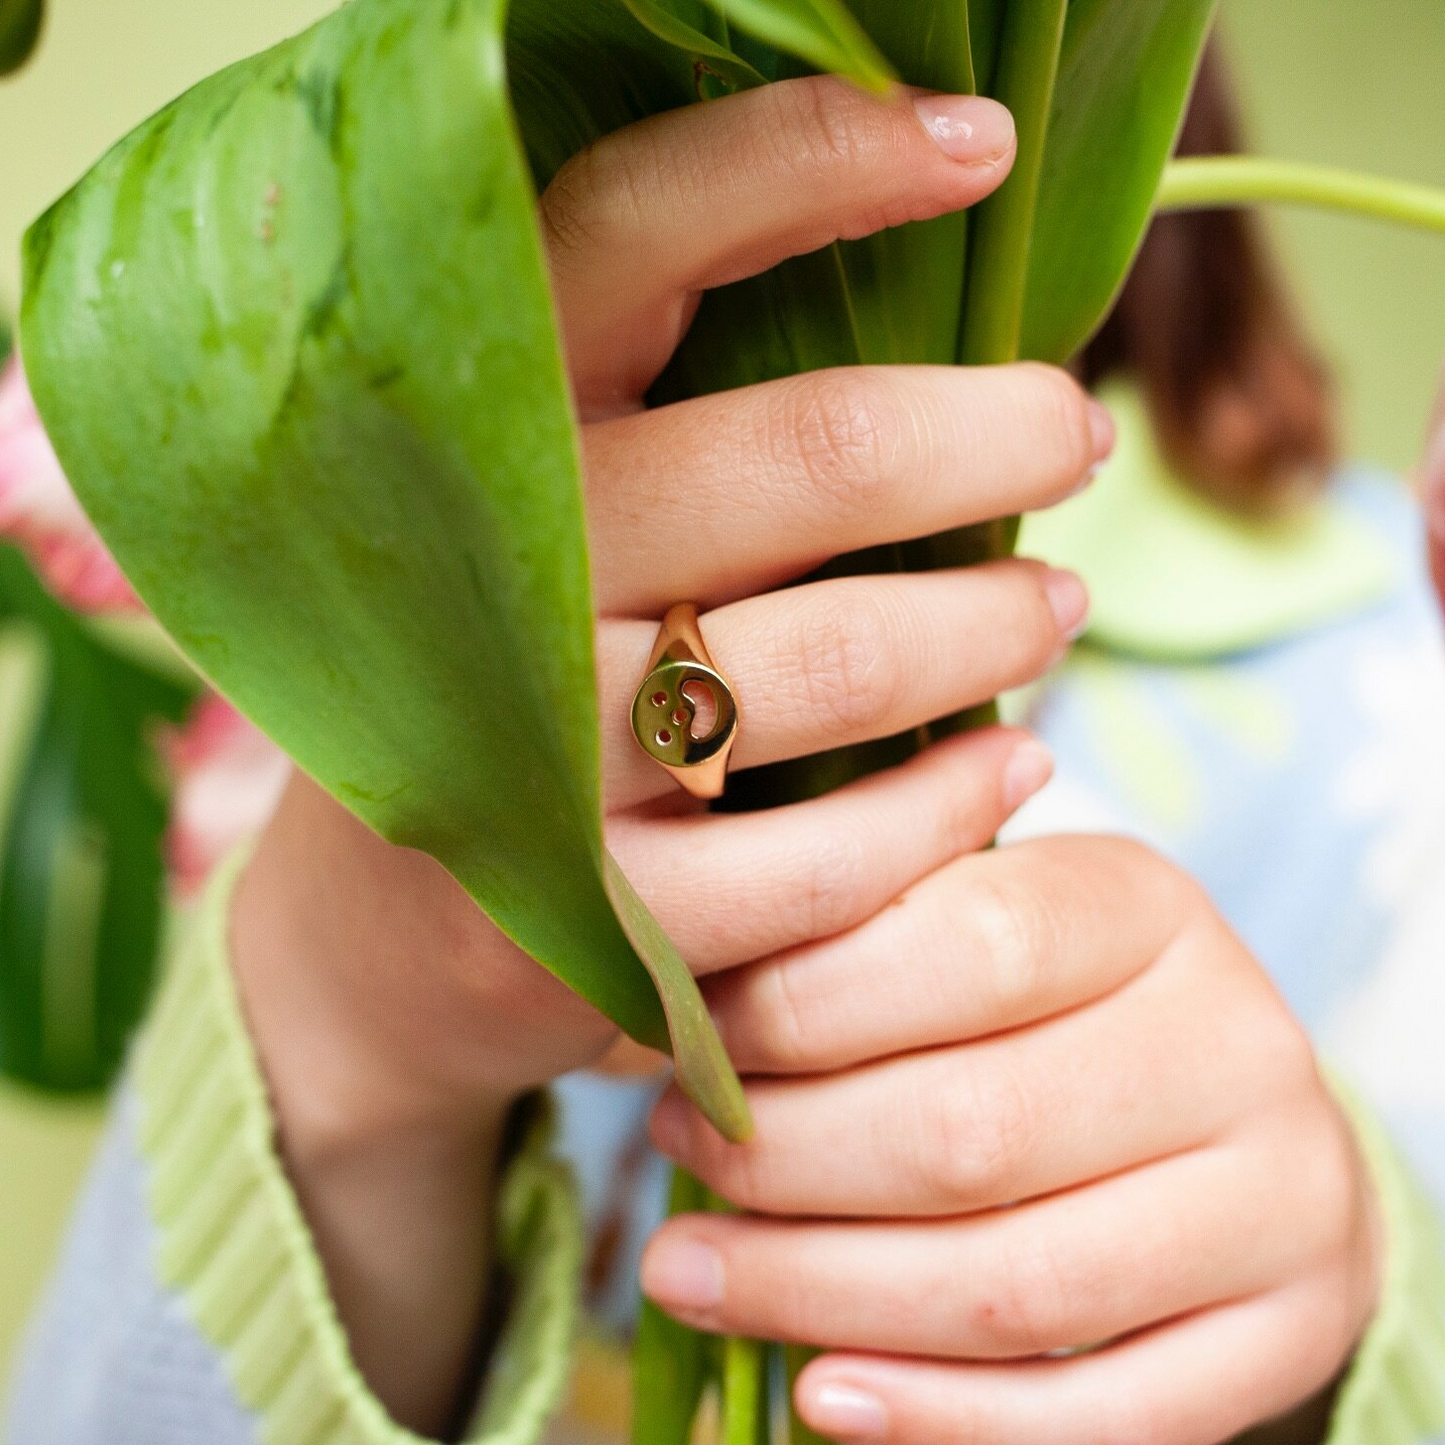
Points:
(998, 263)
(745, 1399)
(1028, 67)
(1211, 182)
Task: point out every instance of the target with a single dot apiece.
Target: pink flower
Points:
(228, 778)
(40, 513)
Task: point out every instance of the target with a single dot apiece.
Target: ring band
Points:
(666, 705)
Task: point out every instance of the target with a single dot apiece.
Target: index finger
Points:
(639, 224)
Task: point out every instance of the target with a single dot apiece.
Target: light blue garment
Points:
(112, 1358)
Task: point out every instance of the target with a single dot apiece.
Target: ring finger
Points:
(844, 661)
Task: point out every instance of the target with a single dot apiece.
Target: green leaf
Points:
(82, 821)
(824, 33)
(20, 23)
(985, 21)
(708, 56)
(282, 336)
(1124, 78)
(1028, 58)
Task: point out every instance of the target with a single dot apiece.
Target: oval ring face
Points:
(663, 714)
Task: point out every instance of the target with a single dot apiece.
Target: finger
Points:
(1084, 1096)
(729, 888)
(832, 663)
(640, 223)
(1055, 1274)
(987, 944)
(1199, 1381)
(795, 472)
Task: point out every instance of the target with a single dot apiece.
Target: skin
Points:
(1066, 1027)
(1046, 1100)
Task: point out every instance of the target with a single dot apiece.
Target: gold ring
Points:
(680, 678)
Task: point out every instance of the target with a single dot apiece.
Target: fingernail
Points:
(1069, 599)
(966, 127)
(1031, 766)
(1102, 429)
(846, 1412)
(682, 1274)
(668, 1126)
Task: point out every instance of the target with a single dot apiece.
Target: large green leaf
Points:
(82, 817)
(1124, 78)
(282, 337)
(20, 22)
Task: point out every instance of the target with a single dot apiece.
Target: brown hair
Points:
(1238, 394)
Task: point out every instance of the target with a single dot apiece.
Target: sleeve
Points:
(190, 1304)
(1394, 1392)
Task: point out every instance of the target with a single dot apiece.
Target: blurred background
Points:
(1357, 85)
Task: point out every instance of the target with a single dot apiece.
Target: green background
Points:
(1354, 82)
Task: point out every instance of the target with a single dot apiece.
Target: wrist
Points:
(394, 1155)
(326, 934)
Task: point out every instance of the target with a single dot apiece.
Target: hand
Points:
(395, 1024)
(1045, 1101)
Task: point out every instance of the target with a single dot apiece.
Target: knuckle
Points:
(825, 114)
(1000, 928)
(787, 1036)
(595, 202)
(851, 675)
(978, 1137)
(835, 428)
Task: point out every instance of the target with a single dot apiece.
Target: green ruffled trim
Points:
(1394, 1393)
(234, 1245)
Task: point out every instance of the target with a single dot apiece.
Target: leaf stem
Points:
(745, 1392)
(1212, 182)
(1028, 67)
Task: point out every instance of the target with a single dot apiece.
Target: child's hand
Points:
(395, 1024)
(1045, 1101)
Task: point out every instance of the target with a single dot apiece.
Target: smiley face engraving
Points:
(667, 709)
